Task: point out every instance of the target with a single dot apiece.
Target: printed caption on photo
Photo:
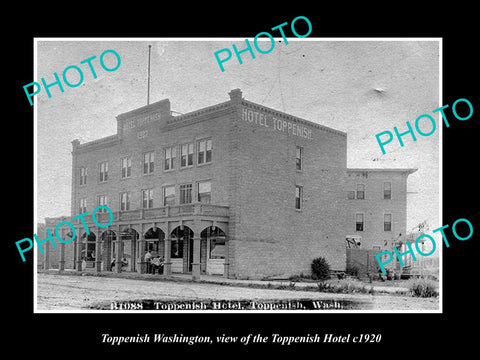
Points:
(277, 339)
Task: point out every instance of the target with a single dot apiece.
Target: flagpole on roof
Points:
(148, 79)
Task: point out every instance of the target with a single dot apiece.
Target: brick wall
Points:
(156, 135)
(272, 238)
(252, 172)
(374, 206)
(213, 128)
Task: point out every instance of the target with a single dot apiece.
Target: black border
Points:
(400, 332)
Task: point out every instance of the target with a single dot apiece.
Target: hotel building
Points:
(234, 189)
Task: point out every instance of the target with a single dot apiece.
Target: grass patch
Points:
(345, 286)
(423, 287)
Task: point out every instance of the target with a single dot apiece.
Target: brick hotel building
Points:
(234, 189)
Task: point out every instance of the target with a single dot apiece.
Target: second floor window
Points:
(126, 166)
(298, 197)
(359, 222)
(147, 198)
(103, 171)
(204, 151)
(204, 192)
(186, 156)
(169, 195)
(148, 162)
(387, 222)
(82, 206)
(102, 200)
(186, 194)
(125, 201)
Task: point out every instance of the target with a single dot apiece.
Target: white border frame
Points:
(35, 214)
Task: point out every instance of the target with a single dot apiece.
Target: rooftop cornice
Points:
(282, 115)
(198, 115)
(98, 144)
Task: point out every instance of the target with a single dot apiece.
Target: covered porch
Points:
(190, 239)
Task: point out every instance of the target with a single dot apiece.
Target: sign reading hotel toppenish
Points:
(269, 121)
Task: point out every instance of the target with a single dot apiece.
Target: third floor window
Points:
(360, 191)
(83, 175)
(387, 190)
(148, 162)
(204, 151)
(186, 156)
(170, 156)
(103, 171)
(126, 167)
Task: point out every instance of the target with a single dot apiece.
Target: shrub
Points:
(320, 269)
(346, 286)
(351, 286)
(423, 288)
(325, 287)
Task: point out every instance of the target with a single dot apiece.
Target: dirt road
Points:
(73, 292)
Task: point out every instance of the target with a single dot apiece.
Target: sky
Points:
(359, 87)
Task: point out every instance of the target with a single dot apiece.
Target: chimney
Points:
(235, 96)
(75, 144)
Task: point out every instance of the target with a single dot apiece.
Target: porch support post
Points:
(196, 258)
(167, 265)
(226, 263)
(79, 249)
(46, 257)
(61, 263)
(119, 256)
(98, 252)
(141, 252)
(119, 251)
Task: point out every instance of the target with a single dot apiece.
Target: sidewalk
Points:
(284, 284)
(220, 280)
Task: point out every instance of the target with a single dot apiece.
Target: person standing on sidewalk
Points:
(148, 259)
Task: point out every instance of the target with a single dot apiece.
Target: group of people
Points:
(154, 264)
(124, 263)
